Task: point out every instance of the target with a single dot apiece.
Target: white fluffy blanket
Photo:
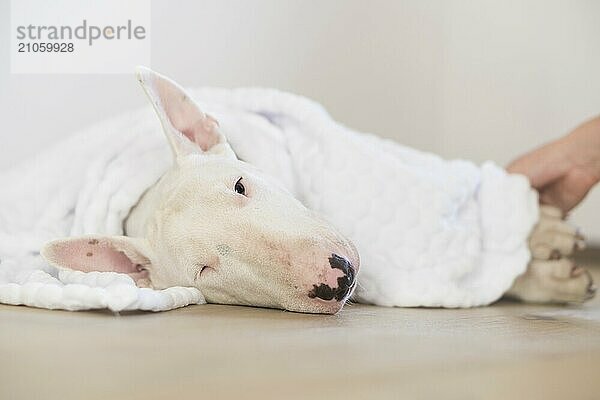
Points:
(430, 232)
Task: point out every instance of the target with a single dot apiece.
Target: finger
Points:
(541, 166)
(568, 191)
(555, 197)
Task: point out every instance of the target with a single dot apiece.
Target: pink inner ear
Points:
(88, 254)
(185, 116)
(204, 132)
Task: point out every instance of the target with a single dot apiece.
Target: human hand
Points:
(565, 170)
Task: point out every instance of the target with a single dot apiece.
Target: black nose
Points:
(339, 262)
(344, 283)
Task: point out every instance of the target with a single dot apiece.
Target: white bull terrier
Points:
(219, 224)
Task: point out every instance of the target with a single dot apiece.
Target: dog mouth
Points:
(345, 283)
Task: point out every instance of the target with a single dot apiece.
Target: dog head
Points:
(216, 223)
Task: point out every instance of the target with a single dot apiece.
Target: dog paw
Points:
(554, 238)
(553, 281)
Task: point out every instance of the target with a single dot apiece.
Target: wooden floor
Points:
(507, 351)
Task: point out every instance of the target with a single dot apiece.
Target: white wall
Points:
(472, 79)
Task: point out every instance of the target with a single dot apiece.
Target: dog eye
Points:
(239, 187)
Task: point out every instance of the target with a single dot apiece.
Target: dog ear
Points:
(105, 254)
(188, 129)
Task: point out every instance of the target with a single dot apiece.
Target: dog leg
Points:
(553, 237)
(551, 277)
(553, 281)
